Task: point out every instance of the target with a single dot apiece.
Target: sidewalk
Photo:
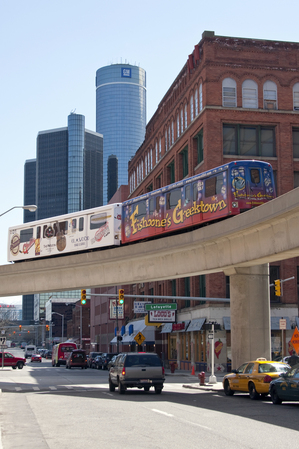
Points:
(192, 381)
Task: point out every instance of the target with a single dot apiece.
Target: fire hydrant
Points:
(172, 367)
(201, 377)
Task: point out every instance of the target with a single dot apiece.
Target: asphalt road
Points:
(46, 407)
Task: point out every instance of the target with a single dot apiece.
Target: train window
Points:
(74, 224)
(97, 221)
(61, 227)
(141, 209)
(154, 204)
(195, 191)
(173, 198)
(81, 223)
(188, 198)
(255, 175)
(26, 235)
(213, 185)
(38, 231)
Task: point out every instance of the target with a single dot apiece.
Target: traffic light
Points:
(121, 296)
(83, 297)
(277, 287)
(20, 327)
(47, 327)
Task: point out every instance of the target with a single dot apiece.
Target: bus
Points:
(60, 353)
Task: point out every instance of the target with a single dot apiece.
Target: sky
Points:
(50, 52)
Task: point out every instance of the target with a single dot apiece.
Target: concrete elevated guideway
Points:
(240, 246)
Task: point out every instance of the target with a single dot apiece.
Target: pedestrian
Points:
(294, 359)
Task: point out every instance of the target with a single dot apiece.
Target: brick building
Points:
(234, 99)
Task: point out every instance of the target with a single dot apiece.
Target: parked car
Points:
(11, 360)
(253, 377)
(36, 358)
(286, 387)
(91, 357)
(102, 362)
(137, 369)
(77, 359)
(111, 362)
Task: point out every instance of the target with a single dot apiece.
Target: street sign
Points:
(295, 340)
(172, 306)
(139, 306)
(2, 341)
(282, 324)
(139, 338)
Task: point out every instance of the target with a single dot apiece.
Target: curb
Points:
(206, 387)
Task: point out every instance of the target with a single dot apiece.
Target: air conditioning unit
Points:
(270, 104)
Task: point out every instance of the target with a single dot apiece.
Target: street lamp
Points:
(31, 208)
(62, 316)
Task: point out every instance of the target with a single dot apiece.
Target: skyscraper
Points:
(120, 117)
(67, 176)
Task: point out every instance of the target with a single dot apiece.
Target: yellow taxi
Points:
(253, 377)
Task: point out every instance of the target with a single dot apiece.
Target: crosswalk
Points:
(32, 388)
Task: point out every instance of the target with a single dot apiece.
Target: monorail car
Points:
(79, 231)
(212, 195)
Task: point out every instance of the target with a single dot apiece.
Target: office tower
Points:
(68, 178)
(120, 116)
(112, 175)
(29, 188)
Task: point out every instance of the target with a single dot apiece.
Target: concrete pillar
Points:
(250, 314)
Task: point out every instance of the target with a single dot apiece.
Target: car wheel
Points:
(146, 388)
(227, 389)
(14, 367)
(20, 365)
(111, 386)
(103, 367)
(121, 388)
(158, 390)
(70, 367)
(274, 396)
(253, 394)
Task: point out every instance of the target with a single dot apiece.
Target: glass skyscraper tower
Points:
(65, 177)
(121, 118)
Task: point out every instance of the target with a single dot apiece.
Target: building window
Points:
(295, 133)
(249, 94)
(173, 288)
(274, 274)
(200, 97)
(296, 179)
(199, 139)
(160, 149)
(229, 93)
(171, 173)
(182, 121)
(178, 126)
(166, 147)
(296, 97)
(227, 287)
(187, 291)
(184, 161)
(196, 102)
(202, 286)
(191, 109)
(270, 95)
(249, 140)
(186, 118)
(149, 188)
(172, 133)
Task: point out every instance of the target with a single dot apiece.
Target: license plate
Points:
(146, 380)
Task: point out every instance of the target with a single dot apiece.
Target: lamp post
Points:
(62, 316)
(31, 208)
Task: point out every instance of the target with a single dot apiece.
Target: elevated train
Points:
(212, 195)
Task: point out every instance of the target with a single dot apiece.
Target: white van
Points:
(29, 350)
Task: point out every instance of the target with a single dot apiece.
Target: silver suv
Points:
(137, 369)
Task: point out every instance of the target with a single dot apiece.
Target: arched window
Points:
(186, 120)
(229, 93)
(296, 97)
(182, 121)
(200, 97)
(270, 95)
(249, 94)
(196, 102)
(191, 109)
(178, 125)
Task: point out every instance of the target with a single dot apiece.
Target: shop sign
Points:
(139, 306)
(162, 316)
(113, 310)
(178, 327)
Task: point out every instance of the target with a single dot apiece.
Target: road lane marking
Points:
(36, 388)
(162, 413)
(18, 388)
(53, 388)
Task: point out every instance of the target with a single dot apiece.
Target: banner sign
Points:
(113, 310)
(139, 306)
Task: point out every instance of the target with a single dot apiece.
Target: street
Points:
(46, 407)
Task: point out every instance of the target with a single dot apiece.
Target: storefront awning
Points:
(167, 328)
(137, 326)
(196, 325)
(274, 323)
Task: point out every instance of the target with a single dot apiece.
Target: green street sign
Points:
(172, 306)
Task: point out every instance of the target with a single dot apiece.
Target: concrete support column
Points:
(250, 314)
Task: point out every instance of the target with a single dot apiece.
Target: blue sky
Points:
(50, 51)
